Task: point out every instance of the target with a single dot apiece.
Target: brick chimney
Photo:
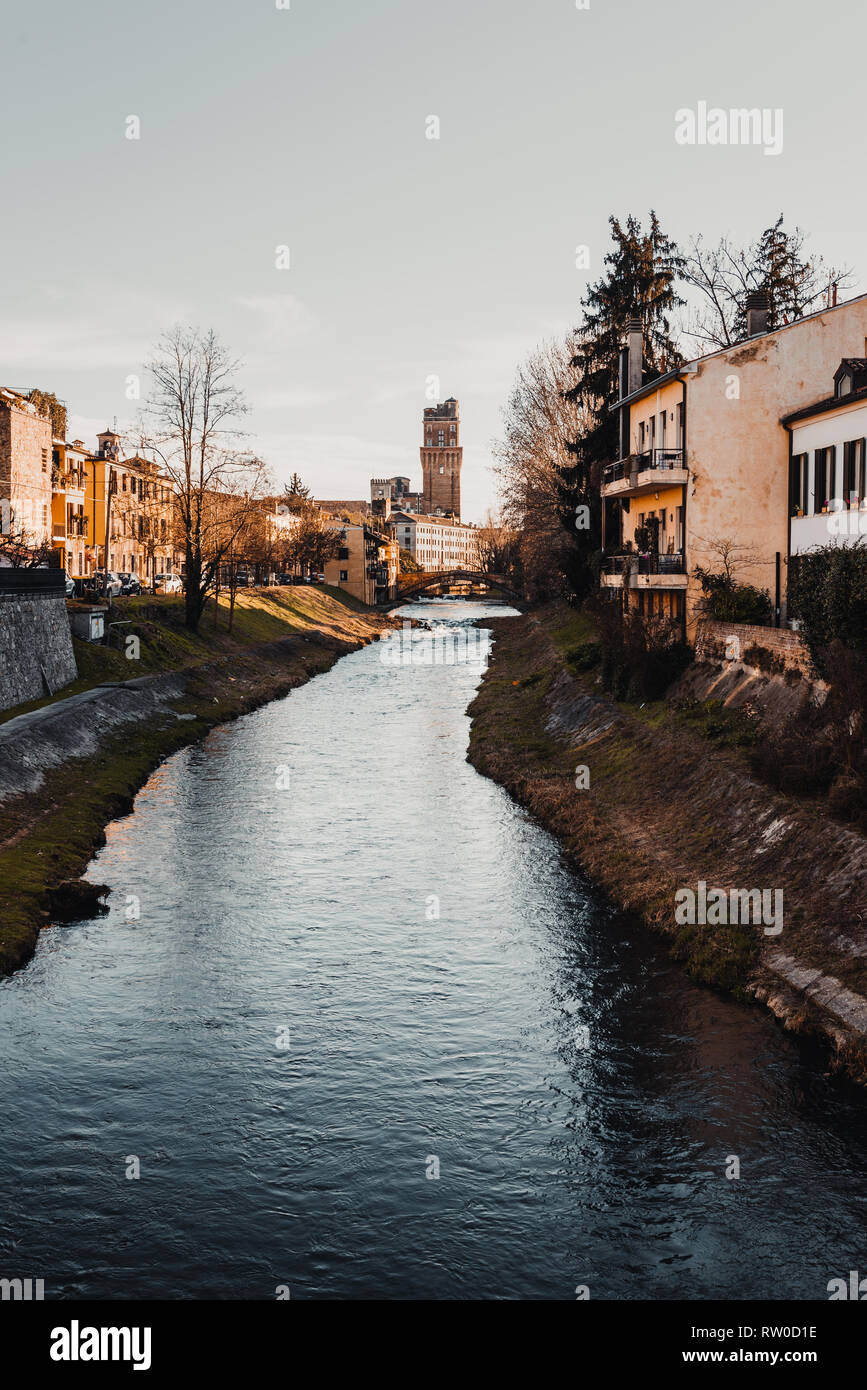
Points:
(758, 306)
(633, 348)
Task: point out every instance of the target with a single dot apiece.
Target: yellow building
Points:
(136, 499)
(69, 520)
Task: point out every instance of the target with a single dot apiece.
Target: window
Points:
(441, 438)
(344, 576)
(824, 478)
(44, 516)
(853, 471)
(45, 460)
(798, 484)
(343, 553)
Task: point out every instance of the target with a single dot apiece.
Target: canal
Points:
(362, 1033)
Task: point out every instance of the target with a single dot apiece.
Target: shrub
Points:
(828, 591)
(641, 656)
(585, 655)
(730, 602)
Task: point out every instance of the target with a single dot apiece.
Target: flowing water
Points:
(338, 962)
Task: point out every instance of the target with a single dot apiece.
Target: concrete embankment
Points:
(70, 767)
(659, 809)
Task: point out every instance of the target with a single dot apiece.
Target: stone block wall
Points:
(36, 654)
(769, 650)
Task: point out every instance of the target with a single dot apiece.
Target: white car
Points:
(168, 584)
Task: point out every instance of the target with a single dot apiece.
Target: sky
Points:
(409, 258)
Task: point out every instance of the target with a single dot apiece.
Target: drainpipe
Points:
(685, 492)
(788, 430)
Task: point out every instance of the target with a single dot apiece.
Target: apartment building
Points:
(26, 442)
(828, 464)
(704, 458)
(435, 542)
(366, 565)
(134, 500)
(70, 525)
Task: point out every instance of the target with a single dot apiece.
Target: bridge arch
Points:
(413, 584)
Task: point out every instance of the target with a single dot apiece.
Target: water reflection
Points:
(433, 964)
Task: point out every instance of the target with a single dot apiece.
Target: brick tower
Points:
(441, 459)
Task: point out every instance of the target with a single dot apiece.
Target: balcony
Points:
(646, 472)
(635, 571)
(58, 531)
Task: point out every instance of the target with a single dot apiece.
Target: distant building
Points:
(436, 542)
(70, 527)
(141, 515)
(366, 565)
(441, 459)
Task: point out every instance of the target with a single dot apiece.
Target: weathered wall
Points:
(739, 451)
(36, 655)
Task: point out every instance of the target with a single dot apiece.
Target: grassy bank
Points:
(280, 638)
(670, 802)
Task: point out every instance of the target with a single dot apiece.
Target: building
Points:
(393, 494)
(435, 542)
(26, 443)
(441, 459)
(828, 464)
(366, 565)
(703, 458)
(70, 526)
(135, 501)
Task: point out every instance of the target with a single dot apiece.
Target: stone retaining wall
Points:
(36, 654)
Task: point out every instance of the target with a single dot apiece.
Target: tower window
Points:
(441, 438)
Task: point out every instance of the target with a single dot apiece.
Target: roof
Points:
(858, 397)
(689, 368)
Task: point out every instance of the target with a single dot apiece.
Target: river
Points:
(366, 1035)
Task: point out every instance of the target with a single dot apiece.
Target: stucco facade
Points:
(712, 434)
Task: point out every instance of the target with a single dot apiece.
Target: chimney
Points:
(633, 347)
(757, 306)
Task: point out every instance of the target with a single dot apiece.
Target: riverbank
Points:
(659, 808)
(70, 765)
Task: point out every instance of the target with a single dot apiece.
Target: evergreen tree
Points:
(779, 268)
(295, 494)
(641, 273)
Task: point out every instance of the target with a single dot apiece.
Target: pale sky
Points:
(410, 257)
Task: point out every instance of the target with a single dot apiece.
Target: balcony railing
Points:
(663, 459)
(660, 564)
(58, 531)
(660, 458)
(643, 564)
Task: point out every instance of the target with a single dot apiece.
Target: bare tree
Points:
(539, 422)
(722, 275)
(191, 425)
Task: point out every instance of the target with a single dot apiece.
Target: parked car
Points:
(131, 583)
(70, 584)
(112, 585)
(168, 584)
(243, 579)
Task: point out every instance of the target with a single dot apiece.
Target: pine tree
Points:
(779, 268)
(642, 270)
(295, 494)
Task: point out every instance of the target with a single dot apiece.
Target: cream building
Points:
(435, 543)
(704, 458)
(827, 465)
